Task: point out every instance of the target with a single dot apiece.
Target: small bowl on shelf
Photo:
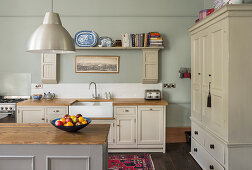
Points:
(71, 128)
(37, 96)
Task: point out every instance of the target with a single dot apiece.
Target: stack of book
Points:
(142, 40)
(155, 39)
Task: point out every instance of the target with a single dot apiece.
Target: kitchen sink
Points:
(92, 109)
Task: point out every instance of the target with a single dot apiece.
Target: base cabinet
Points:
(40, 114)
(150, 124)
(139, 129)
(126, 130)
(31, 115)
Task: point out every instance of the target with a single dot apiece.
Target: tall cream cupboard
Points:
(221, 59)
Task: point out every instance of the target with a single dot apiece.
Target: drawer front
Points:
(198, 133)
(204, 159)
(125, 110)
(57, 110)
(215, 148)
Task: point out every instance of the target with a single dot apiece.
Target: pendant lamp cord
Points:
(52, 5)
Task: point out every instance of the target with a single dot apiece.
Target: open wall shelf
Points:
(116, 48)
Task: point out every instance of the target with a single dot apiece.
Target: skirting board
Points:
(176, 134)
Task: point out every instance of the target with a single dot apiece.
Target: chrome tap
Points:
(95, 96)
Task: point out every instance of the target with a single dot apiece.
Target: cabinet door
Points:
(31, 115)
(196, 76)
(206, 72)
(126, 130)
(150, 123)
(150, 66)
(219, 70)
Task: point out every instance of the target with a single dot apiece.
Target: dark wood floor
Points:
(177, 157)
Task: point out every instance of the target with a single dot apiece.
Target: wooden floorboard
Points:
(177, 157)
(176, 134)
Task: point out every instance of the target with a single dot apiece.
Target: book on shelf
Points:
(142, 39)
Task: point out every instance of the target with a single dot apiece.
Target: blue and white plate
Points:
(86, 39)
(105, 41)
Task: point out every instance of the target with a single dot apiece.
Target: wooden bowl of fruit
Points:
(71, 123)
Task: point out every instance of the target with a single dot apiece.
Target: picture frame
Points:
(96, 64)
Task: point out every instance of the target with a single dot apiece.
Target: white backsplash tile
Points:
(118, 90)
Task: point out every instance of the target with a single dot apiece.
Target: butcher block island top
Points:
(69, 102)
(44, 133)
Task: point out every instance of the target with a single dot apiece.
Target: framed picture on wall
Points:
(97, 64)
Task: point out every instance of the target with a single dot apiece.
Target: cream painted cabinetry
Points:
(40, 114)
(31, 115)
(150, 122)
(49, 68)
(150, 66)
(139, 129)
(221, 60)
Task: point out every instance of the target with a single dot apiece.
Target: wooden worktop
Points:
(43, 102)
(24, 133)
(68, 102)
(137, 101)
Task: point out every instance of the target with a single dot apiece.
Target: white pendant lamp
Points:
(51, 37)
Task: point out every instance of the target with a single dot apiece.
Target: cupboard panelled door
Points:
(150, 125)
(126, 130)
(206, 73)
(196, 76)
(219, 43)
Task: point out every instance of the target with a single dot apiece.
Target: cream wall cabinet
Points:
(221, 62)
(40, 114)
(49, 68)
(150, 66)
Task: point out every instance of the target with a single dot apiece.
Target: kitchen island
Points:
(43, 147)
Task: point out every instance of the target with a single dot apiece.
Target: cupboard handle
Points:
(209, 75)
(211, 167)
(56, 111)
(118, 125)
(126, 110)
(211, 146)
(43, 119)
(195, 150)
(151, 109)
(196, 132)
(198, 73)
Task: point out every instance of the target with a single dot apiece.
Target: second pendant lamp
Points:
(51, 37)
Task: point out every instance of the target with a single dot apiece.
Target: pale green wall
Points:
(172, 18)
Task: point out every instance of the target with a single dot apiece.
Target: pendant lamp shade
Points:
(51, 37)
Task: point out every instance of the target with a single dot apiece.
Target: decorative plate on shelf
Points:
(105, 41)
(86, 39)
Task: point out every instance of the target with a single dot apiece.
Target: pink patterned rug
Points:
(130, 162)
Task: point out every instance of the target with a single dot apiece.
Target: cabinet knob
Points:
(209, 75)
(56, 111)
(126, 110)
(43, 119)
(212, 146)
(151, 109)
(196, 132)
(195, 150)
(211, 167)
(118, 125)
(198, 73)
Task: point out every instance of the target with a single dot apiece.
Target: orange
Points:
(84, 122)
(68, 124)
(72, 117)
(63, 120)
(81, 119)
